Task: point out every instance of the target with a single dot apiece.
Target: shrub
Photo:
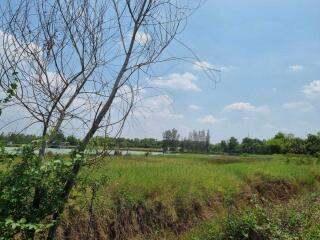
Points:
(297, 219)
(27, 177)
(250, 224)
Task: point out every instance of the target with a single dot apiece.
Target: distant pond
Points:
(68, 150)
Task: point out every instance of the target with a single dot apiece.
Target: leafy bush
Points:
(5, 157)
(250, 224)
(30, 192)
(297, 219)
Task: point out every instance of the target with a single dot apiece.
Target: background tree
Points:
(313, 143)
(170, 140)
(224, 146)
(56, 139)
(72, 140)
(233, 145)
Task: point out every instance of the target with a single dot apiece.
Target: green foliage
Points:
(303, 160)
(72, 140)
(170, 140)
(313, 144)
(172, 180)
(11, 90)
(280, 144)
(240, 227)
(17, 138)
(176, 181)
(56, 139)
(9, 228)
(4, 156)
(18, 186)
(197, 142)
(233, 145)
(256, 146)
(296, 219)
(206, 230)
(112, 143)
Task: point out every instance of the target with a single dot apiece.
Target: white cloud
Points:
(303, 106)
(178, 81)
(17, 48)
(194, 107)
(240, 106)
(158, 107)
(55, 81)
(209, 119)
(203, 65)
(143, 38)
(312, 89)
(246, 107)
(296, 68)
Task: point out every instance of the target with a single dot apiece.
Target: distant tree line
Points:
(115, 143)
(17, 138)
(199, 142)
(56, 140)
(196, 142)
(280, 144)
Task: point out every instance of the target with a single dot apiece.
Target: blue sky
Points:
(268, 52)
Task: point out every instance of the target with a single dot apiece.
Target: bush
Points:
(250, 224)
(296, 219)
(25, 179)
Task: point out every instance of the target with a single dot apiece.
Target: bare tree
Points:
(82, 62)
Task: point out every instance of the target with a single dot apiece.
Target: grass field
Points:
(164, 177)
(158, 197)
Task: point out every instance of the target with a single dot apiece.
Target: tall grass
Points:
(162, 178)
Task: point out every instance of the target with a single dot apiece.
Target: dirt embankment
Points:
(127, 222)
(277, 190)
(124, 223)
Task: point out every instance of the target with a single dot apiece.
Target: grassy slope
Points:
(163, 177)
(177, 181)
(297, 218)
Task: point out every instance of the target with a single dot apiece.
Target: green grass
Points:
(180, 181)
(164, 177)
(296, 219)
(180, 184)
